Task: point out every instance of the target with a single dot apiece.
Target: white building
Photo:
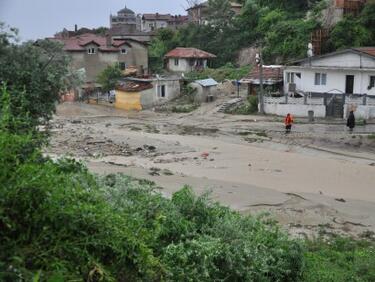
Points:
(187, 59)
(350, 71)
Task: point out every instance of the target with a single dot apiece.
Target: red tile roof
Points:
(189, 53)
(368, 50)
(179, 19)
(270, 74)
(131, 86)
(78, 43)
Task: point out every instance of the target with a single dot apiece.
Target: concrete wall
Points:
(148, 98)
(183, 65)
(157, 24)
(360, 111)
(94, 64)
(295, 110)
(202, 93)
(336, 79)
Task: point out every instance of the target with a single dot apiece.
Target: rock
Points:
(139, 149)
(340, 200)
(149, 147)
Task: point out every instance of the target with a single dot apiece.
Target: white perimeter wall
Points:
(295, 110)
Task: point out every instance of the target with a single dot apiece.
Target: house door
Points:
(349, 85)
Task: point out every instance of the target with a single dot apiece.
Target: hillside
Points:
(282, 28)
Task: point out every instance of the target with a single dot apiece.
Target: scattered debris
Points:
(340, 200)
(205, 155)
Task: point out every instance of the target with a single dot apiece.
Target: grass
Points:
(187, 108)
(371, 136)
(339, 259)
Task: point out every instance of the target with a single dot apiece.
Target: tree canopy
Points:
(34, 72)
(282, 28)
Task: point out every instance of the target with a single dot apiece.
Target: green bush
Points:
(248, 108)
(340, 259)
(185, 108)
(227, 71)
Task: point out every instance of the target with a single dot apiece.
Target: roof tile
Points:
(188, 53)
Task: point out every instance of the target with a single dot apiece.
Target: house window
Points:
(372, 82)
(176, 62)
(161, 91)
(200, 63)
(320, 79)
(91, 51)
(124, 51)
(290, 77)
(122, 65)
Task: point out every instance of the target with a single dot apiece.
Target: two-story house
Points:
(350, 71)
(94, 53)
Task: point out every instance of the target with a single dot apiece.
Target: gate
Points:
(335, 106)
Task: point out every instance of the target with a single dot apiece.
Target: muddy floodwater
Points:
(319, 178)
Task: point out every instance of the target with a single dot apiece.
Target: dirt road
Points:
(318, 178)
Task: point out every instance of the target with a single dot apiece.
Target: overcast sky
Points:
(42, 18)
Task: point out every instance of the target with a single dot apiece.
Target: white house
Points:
(143, 93)
(187, 59)
(350, 71)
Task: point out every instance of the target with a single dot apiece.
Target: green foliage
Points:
(248, 108)
(228, 71)
(187, 108)
(341, 259)
(163, 42)
(60, 223)
(349, 32)
(33, 72)
(109, 77)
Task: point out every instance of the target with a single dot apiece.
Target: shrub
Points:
(249, 107)
(339, 259)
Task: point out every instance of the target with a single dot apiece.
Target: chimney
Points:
(75, 28)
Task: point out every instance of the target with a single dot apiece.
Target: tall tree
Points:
(36, 69)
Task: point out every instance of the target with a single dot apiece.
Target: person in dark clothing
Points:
(351, 121)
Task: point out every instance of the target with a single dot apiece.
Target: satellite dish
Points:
(310, 51)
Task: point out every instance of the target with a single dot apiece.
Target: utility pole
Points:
(259, 60)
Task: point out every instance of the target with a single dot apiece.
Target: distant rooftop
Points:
(78, 43)
(126, 11)
(189, 53)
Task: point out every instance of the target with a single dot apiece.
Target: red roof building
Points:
(94, 53)
(187, 59)
(189, 53)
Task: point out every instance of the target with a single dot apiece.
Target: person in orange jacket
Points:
(288, 123)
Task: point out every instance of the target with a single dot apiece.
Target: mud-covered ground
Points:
(318, 180)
